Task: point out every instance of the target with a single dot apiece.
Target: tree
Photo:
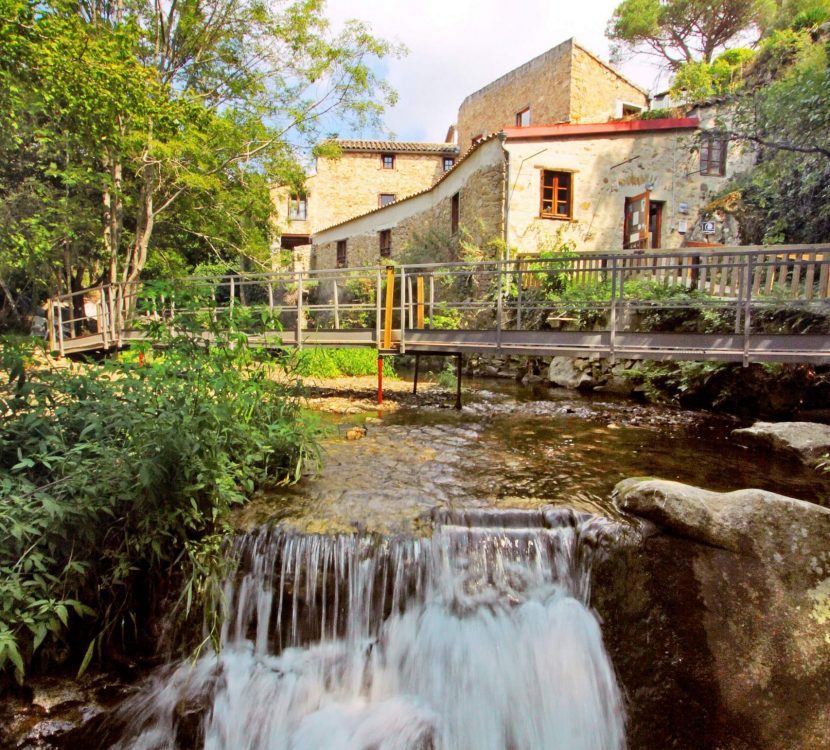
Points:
(683, 31)
(124, 118)
(787, 119)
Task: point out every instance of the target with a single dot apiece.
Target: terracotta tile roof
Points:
(467, 153)
(398, 147)
(568, 130)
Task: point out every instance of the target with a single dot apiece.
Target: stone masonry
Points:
(351, 184)
(607, 169)
(565, 84)
(478, 181)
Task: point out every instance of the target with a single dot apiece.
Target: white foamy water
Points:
(479, 638)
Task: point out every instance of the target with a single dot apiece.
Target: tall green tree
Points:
(683, 31)
(122, 118)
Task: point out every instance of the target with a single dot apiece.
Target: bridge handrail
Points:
(741, 277)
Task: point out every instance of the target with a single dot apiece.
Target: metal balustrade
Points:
(614, 304)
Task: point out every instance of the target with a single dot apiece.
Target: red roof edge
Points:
(566, 130)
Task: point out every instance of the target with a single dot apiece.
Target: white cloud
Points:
(458, 46)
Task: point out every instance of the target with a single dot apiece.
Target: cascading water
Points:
(478, 638)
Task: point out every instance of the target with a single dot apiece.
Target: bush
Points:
(115, 484)
(335, 363)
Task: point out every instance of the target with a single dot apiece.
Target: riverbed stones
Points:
(809, 441)
(736, 585)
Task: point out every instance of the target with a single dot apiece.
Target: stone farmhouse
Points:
(554, 151)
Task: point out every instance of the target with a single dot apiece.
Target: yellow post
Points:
(420, 299)
(390, 305)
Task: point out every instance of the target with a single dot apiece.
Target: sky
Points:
(458, 46)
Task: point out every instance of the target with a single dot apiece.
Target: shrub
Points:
(335, 363)
(115, 484)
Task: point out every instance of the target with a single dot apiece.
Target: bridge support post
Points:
(747, 308)
(458, 382)
(415, 379)
(380, 379)
(612, 339)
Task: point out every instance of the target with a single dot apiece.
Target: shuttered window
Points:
(385, 243)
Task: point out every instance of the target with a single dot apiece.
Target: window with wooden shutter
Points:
(385, 236)
(341, 253)
(556, 195)
(455, 210)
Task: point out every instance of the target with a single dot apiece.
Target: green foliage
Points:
(135, 136)
(786, 196)
(115, 484)
(660, 113)
(448, 377)
(800, 14)
(683, 31)
(695, 81)
(335, 363)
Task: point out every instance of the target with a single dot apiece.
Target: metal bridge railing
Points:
(611, 292)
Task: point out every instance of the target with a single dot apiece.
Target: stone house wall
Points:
(606, 170)
(479, 182)
(598, 92)
(565, 84)
(350, 185)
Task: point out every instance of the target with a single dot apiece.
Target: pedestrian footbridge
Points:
(741, 304)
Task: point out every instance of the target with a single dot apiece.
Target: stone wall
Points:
(607, 170)
(478, 180)
(351, 185)
(564, 84)
(597, 91)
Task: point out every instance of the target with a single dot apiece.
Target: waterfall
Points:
(477, 638)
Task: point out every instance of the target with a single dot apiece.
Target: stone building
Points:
(565, 84)
(553, 155)
(632, 184)
(367, 175)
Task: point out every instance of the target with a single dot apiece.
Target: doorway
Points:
(655, 223)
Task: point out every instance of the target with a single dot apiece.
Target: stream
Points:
(432, 587)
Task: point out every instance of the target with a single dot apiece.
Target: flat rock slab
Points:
(758, 521)
(810, 441)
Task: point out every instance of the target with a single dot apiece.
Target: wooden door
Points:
(636, 234)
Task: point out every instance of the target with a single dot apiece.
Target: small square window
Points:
(713, 154)
(387, 161)
(297, 208)
(556, 195)
(449, 163)
(523, 118)
(384, 199)
(455, 210)
(385, 243)
(341, 254)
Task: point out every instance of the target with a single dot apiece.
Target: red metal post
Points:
(380, 380)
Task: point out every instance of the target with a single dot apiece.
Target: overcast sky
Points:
(458, 46)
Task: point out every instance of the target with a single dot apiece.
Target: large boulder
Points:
(736, 586)
(809, 441)
(571, 372)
